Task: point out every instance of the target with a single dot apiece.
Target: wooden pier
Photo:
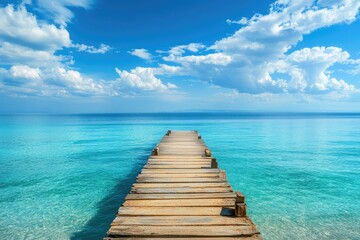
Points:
(180, 194)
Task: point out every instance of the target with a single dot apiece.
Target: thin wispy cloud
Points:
(141, 53)
(242, 21)
(103, 48)
(59, 10)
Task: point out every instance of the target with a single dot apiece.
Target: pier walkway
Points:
(182, 194)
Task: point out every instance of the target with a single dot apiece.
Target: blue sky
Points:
(80, 56)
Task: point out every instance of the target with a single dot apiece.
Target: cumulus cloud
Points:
(20, 27)
(256, 59)
(307, 68)
(249, 59)
(59, 81)
(27, 42)
(12, 54)
(142, 79)
(28, 49)
(91, 49)
(56, 81)
(141, 53)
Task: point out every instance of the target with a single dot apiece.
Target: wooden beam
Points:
(207, 153)
(214, 163)
(222, 175)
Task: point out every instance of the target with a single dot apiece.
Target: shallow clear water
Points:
(63, 177)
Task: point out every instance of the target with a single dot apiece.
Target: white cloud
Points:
(242, 21)
(29, 47)
(141, 53)
(355, 66)
(212, 59)
(309, 66)
(91, 49)
(73, 83)
(22, 71)
(59, 9)
(181, 49)
(26, 41)
(56, 81)
(255, 59)
(308, 71)
(165, 69)
(12, 54)
(20, 27)
(140, 79)
(248, 59)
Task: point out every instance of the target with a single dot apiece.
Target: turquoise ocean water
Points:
(63, 177)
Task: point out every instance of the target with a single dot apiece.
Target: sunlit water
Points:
(63, 177)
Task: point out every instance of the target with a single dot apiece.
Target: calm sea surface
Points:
(63, 177)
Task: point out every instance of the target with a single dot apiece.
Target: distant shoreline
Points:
(215, 114)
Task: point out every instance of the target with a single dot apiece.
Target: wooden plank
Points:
(202, 163)
(197, 166)
(216, 202)
(182, 231)
(182, 190)
(177, 185)
(188, 161)
(178, 211)
(178, 157)
(179, 180)
(182, 153)
(181, 221)
(135, 196)
(253, 237)
(187, 171)
(182, 146)
(178, 175)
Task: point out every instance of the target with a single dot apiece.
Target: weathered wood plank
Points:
(135, 196)
(177, 185)
(178, 175)
(202, 163)
(196, 166)
(178, 157)
(181, 221)
(180, 171)
(179, 180)
(178, 211)
(216, 202)
(181, 190)
(182, 231)
(253, 237)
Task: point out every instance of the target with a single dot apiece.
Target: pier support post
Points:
(168, 133)
(207, 153)
(214, 163)
(222, 175)
(199, 137)
(240, 205)
(155, 152)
